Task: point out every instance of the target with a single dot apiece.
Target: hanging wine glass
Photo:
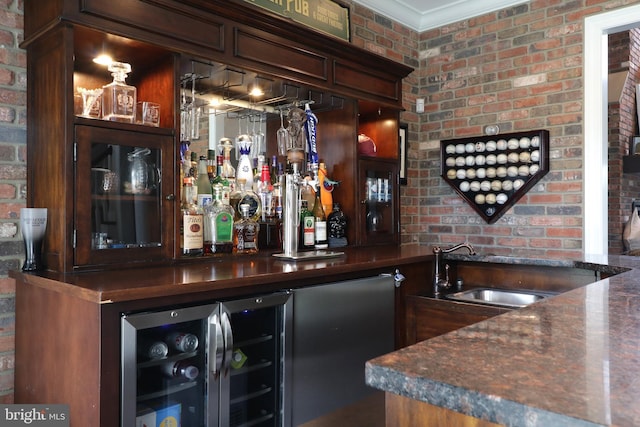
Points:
(282, 136)
(259, 138)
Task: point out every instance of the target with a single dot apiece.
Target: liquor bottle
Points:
(192, 225)
(307, 227)
(183, 369)
(244, 195)
(273, 171)
(320, 223)
(337, 227)
(205, 193)
(276, 197)
(219, 217)
(257, 172)
(265, 193)
(183, 342)
(211, 165)
(325, 191)
(119, 98)
(193, 169)
(245, 167)
(228, 171)
(220, 181)
(245, 233)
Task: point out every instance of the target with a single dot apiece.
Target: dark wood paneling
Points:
(277, 53)
(50, 158)
(58, 352)
(184, 23)
(351, 76)
(428, 317)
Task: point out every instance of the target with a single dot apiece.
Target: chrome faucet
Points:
(438, 281)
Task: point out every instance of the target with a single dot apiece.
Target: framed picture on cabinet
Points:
(402, 142)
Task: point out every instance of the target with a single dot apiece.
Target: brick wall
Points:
(520, 68)
(12, 177)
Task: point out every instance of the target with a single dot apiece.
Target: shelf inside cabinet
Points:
(380, 125)
(152, 68)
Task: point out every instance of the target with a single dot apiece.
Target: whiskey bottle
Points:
(244, 195)
(245, 233)
(192, 224)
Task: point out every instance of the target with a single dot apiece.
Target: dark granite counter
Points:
(569, 360)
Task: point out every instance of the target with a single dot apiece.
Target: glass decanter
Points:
(119, 99)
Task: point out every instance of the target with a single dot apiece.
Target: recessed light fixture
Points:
(103, 59)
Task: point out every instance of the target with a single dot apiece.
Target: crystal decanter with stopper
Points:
(119, 98)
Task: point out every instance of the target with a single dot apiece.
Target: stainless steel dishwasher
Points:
(337, 327)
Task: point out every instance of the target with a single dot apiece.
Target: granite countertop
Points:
(569, 360)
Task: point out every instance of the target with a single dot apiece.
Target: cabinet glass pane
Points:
(125, 196)
(379, 214)
(255, 387)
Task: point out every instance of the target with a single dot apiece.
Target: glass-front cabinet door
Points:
(123, 195)
(378, 222)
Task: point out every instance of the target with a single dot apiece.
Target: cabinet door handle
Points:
(170, 197)
(216, 350)
(228, 342)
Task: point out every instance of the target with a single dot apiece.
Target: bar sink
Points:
(501, 297)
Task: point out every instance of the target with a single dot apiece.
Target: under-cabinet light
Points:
(103, 59)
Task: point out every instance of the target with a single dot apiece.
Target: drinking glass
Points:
(33, 223)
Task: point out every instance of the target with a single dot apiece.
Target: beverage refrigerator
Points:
(220, 364)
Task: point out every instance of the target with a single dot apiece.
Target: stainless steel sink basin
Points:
(501, 297)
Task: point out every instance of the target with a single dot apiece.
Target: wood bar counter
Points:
(68, 325)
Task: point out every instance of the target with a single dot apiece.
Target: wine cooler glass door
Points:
(167, 368)
(257, 373)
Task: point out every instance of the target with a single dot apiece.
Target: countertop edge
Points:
(468, 402)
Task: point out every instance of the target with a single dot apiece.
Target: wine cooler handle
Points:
(216, 353)
(228, 342)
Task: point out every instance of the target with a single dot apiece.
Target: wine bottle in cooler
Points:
(153, 349)
(182, 341)
(183, 369)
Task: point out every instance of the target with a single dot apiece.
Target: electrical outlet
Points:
(420, 105)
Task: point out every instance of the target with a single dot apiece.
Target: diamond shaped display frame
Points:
(492, 172)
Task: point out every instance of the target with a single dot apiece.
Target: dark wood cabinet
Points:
(123, 190)
(353, 91)
(429, 317)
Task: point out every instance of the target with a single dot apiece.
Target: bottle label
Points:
(204, 198)
(224, 227)
(309, 231)
(321, 231)
(193, 231)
